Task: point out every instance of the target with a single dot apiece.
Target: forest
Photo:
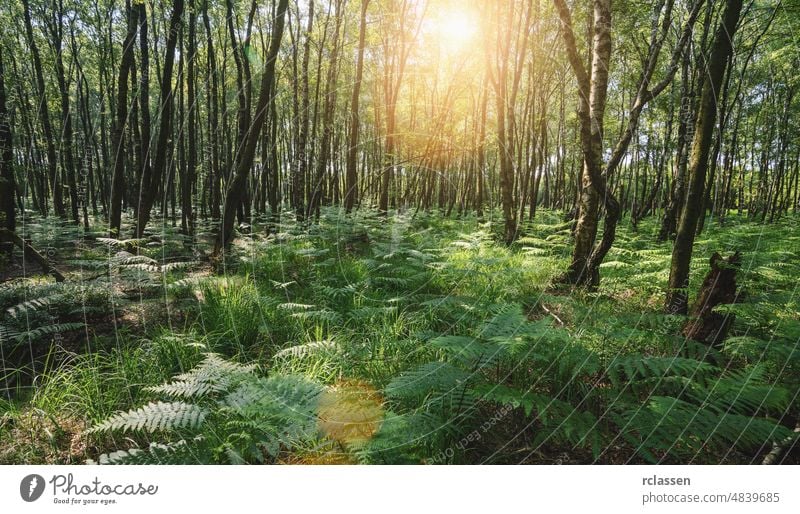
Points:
(399, 231)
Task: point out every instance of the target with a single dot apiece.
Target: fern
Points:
(235, 416)
(40, 332)
(296, 306)
(320, 315)
(471, 352)
(741, 392)
(673, 426)
(153, 417)
(180, 452)
(302, 350)
(428, 379)
(35, 304)
(213, 375)
(559, 421)
(623, 370)
(116, 243)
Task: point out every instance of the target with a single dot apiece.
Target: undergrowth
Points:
(408, 339)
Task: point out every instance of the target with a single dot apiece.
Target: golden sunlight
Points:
(454, 31)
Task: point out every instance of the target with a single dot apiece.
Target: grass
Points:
(398, 307)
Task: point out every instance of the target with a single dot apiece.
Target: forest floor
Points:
(414, 338)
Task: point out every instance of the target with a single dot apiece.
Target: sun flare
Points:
(455, 31)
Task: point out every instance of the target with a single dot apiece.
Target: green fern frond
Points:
(122, 242)
(625, 369)
(320, 315)
(509, 321)
(180, 452)
(427, 379)
(467, 350)
(680, 428)
(127, 259)
(212, 375)
(153, 417)
(35, 304)
(302, 350)
(38, 333)
(296, 306)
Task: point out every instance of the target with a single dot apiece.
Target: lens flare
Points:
(350, 412)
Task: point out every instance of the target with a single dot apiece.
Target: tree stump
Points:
(719, 287)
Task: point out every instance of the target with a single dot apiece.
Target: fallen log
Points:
(30, 253)
(719, 287)
(780, 448)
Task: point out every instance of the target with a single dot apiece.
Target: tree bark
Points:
(236, 188)
(677, 297)
(187, 185)
(44, 115)
(214, 172)
(56, 25)
(351, 172)
(300, 158)
(591, 108)
(719, 287)
(329, 103)
(7, 182)
(118, 132)
(150, 184)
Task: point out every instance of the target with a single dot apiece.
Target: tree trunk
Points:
(351, 173)
(236, 187)
(300, 158)
(118, 132)
(44, 115)
(214, 172)
(591, 108)
(329, 103)
(7, 182)
(150, 185)
(67, 156)
(187, 185)
(677, 298)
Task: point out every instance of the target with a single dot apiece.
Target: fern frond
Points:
(180, 452)
(34, 304)
(153, 417)
(301, 350)
(680, 428)
(625, 369)
(122, 242)
(427, 379)
(213, 375)
(46, 330)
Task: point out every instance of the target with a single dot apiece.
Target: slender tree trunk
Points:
(118, 132)
(67, 156)
(274, 180)
(591, 108)
(187, 185)
(7, 181)
(351, 172)
(329, 103)
(236, 187)
(593, 90)
(300, 158)
(214, 172)
(150, 185)
(481, 172)
(677, 297)
(44, 116)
